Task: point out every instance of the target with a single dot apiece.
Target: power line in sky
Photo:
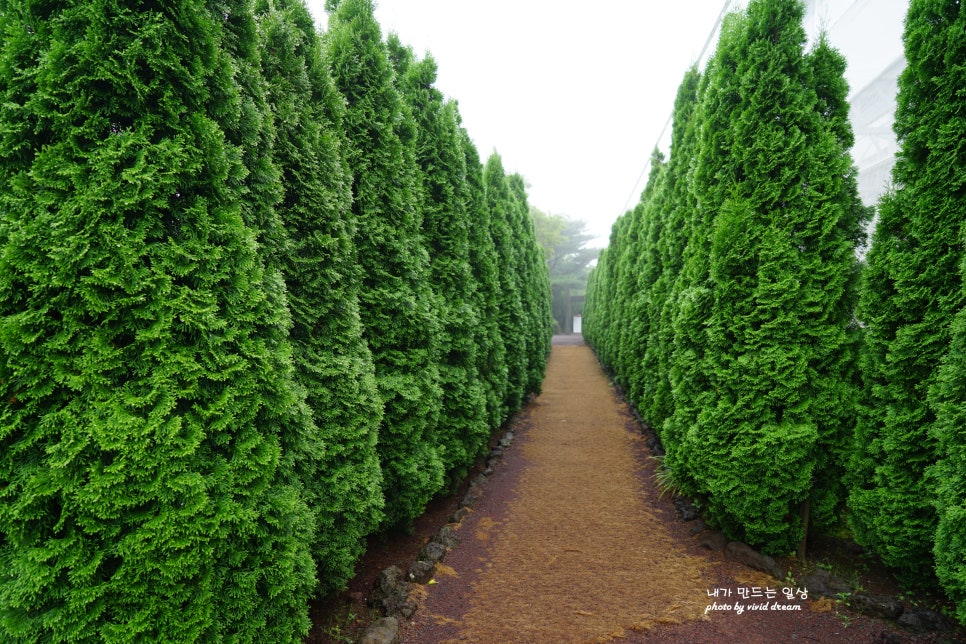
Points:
(647, 164)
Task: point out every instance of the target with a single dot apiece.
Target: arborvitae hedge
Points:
(535, 288)
(839, 399)
(464, 428)
(333, 362)
(690, 381)
(511, 315)
(491, 349)
(399, 311)
(779, 263)
(762, 375)
(653, 388)
(148, 399)
(642, 268)
(913, 291)
(214, 278)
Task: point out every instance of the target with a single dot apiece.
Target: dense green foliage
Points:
(653, 395)
(534, 287)
(333, 362)
(152, 426)
(913, 292)
(251, 310)
(784, 380)
(400, 313)
(757, 389)
(483, 260)
(445, 225)
(502, 207)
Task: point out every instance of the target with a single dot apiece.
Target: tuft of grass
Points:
(664, 479)
(337, 632)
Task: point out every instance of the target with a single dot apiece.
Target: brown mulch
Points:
(571, 541)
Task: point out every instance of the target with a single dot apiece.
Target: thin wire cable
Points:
(647, 164)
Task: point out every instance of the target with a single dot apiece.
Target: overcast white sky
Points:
(573, 95)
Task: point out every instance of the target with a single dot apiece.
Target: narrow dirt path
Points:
(570, 542)
(581, 541)
(580, 554)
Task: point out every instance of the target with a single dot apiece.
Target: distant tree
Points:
(913, 291)
(150, 426)
(399, 310)
(549, 230)
(564, 243)
(464, 427)
(333, 362)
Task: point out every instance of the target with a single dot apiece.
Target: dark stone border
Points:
(394, 592)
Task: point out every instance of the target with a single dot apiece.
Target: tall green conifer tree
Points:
(839, 398)
(536, 293)
(689, 379)
(602, 307)
(511, 315)
(780, 262)
(399, 310)
(644, 265)
(464, 426)
(151, 424)
(491, 351)
(333, 362)
(654, 389)
(912, 292)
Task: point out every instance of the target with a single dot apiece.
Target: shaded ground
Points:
(571, 542)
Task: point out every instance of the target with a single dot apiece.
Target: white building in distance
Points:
(869, 34)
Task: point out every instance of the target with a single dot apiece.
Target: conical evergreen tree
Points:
(912, 292)
(535, 289)
(491, 351)
(780, 262)
(151, 419)
(654, 390)
(838, 400)
(398, 307)
(644, 265)
(333, 363)
(464, 427)
(689, 378)
(511, 315)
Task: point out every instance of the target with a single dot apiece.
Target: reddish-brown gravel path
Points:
(570, 542)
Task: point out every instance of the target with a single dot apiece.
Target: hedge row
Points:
(794, 383)
(253, 308)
